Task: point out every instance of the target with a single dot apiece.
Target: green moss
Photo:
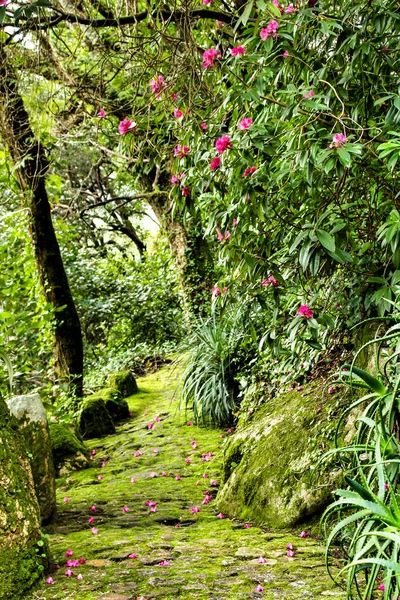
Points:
(20, 569)
(124, 382)
(115, 404)
(65, 445)
(93, 419)
(268, 463)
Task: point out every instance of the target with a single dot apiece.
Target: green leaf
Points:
(326, 240)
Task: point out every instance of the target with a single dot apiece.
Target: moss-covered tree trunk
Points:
(31, 167)
(23, 552)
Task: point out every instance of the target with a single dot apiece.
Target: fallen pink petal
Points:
(259, 588)
(69, 553)
(133, 555)
(50, 580)
(79, 577)
(262, 560)
(94, 530)
(125, 509)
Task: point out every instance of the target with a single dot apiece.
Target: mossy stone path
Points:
(202, 556)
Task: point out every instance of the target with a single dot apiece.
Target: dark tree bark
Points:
(31, 162)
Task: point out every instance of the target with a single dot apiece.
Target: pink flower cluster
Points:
(270, 281)
(158, 85)
(221, 236)
(269, 31)
(237, 50)
(288, 10)
(178, 114)
(177, 178)
(125, 126)
(223, 143)
(215, 163)
(308, 95)
(216, 291)
(305, 311)
(338, 140)
(245, 124)
(181, 151)
(209, 57)
(249, 171)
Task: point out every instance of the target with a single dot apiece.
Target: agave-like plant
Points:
(365, 520)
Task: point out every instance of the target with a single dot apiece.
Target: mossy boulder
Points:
(124, 382)
(268, 463)
(115, 404)
(21, 543)
(69, 452)
(32, 419)
(93, 419)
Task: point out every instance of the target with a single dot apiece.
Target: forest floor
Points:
(172, 553)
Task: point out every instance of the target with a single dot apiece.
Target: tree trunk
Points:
(29, 157)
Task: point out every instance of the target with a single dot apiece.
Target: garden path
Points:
(180, 554)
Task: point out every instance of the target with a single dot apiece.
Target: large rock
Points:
(32, 419)
(23, 552)
(115, 404)
(69, 453)
(94, 420)
(268, 463)
(124, 382)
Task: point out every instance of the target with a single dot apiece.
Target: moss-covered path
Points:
(168, 550)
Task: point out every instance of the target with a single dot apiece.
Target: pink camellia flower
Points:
(138, 453)
(290, 553)
(193, 444)
(163, 563)
(150, 426)
(285, 54)
(237, 50)
(249, 171)
(245, 124)
(203, 126)
(79, 577)
(133, 555)
(331, 389)
(150, 503)
(229, 431)
(222, 435)
(94, 530)
(125, 126)
(178, 114)
(381, 587)
(66, 499)
(215, 163)
(101, 113)
(157, 420)
(178, 525)
(194, 509)
(290, 9)
(276, 3)
(175, 179)
(174, 97)
(216, 291)
(49, 580)
(270, 281)
(153, 474)
(207, 2)
(181, 151)
(262, 560)
(163, 474)
(259, 588)
(178, 478)
(227, 235)
(220, 516)
(269, 30)
(188, 461)
(133, 479)
(72, 563)
(189, 423)
(338, 140)
(289, 546)
(99, 477)
(197, 482)
(82, 561)
(309, 94)
(220, 235)
(103, 464)
(68, 573)
(213, 482)
(185, 191)
(69, 552)
(209, 57)
(93, 452)
(234, 222)
(386, 487)
(303, 534)
(207, 499)
(157, 86)
(90, 520)
(223, 143)
(125, 509)
(299, 388)
(155, 451)
(205, 476)
(305, 311)
(247, 526)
